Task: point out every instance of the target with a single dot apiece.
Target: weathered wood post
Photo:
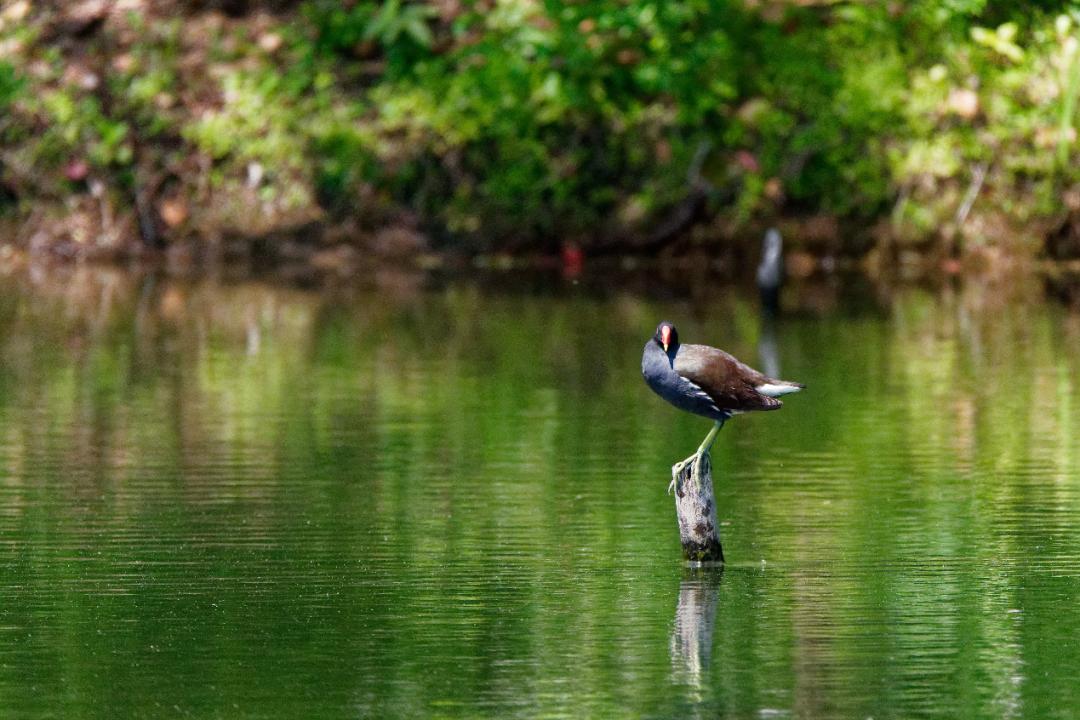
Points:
(696, 507)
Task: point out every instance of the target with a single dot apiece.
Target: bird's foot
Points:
(676, 473)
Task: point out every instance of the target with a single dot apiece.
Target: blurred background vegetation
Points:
(526, 126)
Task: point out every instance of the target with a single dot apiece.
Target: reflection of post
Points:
(695, 616)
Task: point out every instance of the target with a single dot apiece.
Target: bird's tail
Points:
(779, 387)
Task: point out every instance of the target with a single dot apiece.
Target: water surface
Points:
(447, 499)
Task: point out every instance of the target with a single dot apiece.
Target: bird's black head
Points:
(667, 337)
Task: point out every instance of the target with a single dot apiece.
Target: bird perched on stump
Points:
(707, 381)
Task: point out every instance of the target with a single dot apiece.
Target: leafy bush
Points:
(11, 85)
(518, 123)
(1000, 113)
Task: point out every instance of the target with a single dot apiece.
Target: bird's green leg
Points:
(709, 439)
(703, 449)
(706, 444)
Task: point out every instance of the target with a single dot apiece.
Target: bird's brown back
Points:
(730, 383)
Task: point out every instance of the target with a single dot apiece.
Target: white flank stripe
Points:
(702, 394)
(776, 390)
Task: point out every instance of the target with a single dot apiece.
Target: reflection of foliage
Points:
(452, 501)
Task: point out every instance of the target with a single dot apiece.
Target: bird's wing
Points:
(730, 383)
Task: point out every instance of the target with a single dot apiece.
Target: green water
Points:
(446, 499)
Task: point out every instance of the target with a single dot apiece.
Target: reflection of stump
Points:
(691, 636)
(696, 508)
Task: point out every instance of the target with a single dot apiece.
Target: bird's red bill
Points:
(665, 337)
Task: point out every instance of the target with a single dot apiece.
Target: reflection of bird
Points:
(770, 271)
(706, 381)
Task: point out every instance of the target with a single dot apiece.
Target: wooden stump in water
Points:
(696, 507)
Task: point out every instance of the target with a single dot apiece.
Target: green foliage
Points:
(1007, 103)
(521, 122)
(11, 85)
(401, 31)
(394, 20)
(548, 117)
(79, 125)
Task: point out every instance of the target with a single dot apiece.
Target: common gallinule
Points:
(706, 381)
